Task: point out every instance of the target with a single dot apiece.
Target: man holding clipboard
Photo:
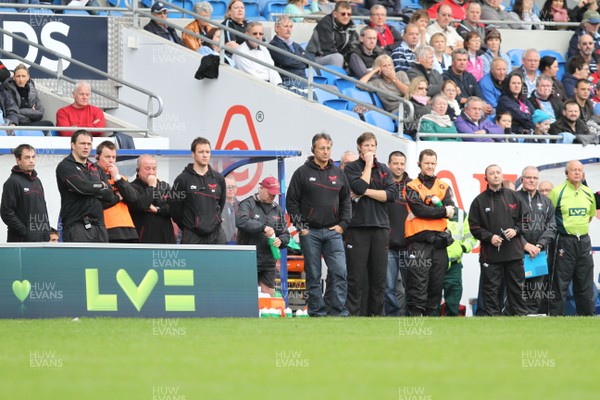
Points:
(538, 234)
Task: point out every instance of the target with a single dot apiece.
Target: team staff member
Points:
(496, 219)
(427, 236)
(575, 207)
(259, 218)
(84, 193)
(117, 219)
(23, 206)
(539, 233)
(150, 210)
(198, 198)
(367, 238)
(318, 203)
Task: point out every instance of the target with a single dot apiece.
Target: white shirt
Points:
(452, 37)
(253, 68)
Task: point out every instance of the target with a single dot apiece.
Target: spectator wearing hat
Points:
(542, 122)
(493, 39)
(549, 67)
(260, 219)
(159, 10)
(589, 25)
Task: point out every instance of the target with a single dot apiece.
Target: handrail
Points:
(33, 7)
(485, 136)
(66, 128)
(404, 102)
(148, 111)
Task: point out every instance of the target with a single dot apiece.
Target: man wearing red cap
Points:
(258, 219)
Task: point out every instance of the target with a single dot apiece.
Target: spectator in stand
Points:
(213, 49)
(441, 59)
(438, 121)
(494, 10)
(254, 50)
(556, 11)
(24, 94)
(457, 7)
(417, 95)
(361, 59)
(596, 98)
(204, 9)
(582, 98)
(504, 121)
(230, 210)
(9, 112)
(474, 60)
(465, 81)
(543, 98)
(81, 113)
(549, 67)
(522, 10)
(296, 7)
(54, 235)
(235, 18)
(542, 122)
(589, 25)
(513, 101)
(529, 69)
(585, 46)
(571, 127)
(471, 22)
(471, 120)
(334, 37)
(576, 69)
(388, 37)
(442, 24)
(404, 55)
(424, 67)
(492, 44)
(491, 83)
(450, 91)
(421, 19)
(391, 7)
(283, 40)
(159, 11)
(383, 76)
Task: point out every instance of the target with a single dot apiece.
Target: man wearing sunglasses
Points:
(252, 50)
(334, 37)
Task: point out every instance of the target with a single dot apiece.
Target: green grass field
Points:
(352, 358)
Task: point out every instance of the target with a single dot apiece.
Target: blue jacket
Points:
(489, 90)
(465, 125)
(569, 82)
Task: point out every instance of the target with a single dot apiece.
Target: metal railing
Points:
(59, 76)
(404, 103)
(421, 135)
(68, 128)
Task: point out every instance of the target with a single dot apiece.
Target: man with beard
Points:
(573, 126)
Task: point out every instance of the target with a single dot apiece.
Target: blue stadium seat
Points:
(376, 100)
(380, 121)
(597, 109)
(29, 133)
(559, 58)
(359, 95)
(186, 4)
(337, 104)
(273, 7)
(39, 11)
(75, 12)
(147, 3)
(516, 57)
(343, 84)
(331, 77)
(253, 11)
(323, 95)
(411, 4)
(219, 9)
(319, 80)
(350, 113)
(8, 10)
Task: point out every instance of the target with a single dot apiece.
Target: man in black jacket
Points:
(367, 238)
(363, 56)
(198, 197)
(84, 193)
(496, 219)
(334, 36)
(23, 206)
(283, 40)
(423, 66)
(150, 211)
(159, 10)
(569, 124)
(318, 203)
(395, 286)
(259, 219)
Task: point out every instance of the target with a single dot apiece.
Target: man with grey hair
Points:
(388, 36)
(81, 113)
(347, 157)
(442, 24)
(283, 40)
(251, 50)
(530, 69)
(589, 25)
(471, 22)
(543, 98)
(198, 26)
(424, 67)
(363, 56)
(465, 80)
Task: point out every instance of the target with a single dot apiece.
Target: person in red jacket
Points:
(81, 113)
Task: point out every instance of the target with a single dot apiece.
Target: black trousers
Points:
(425, 271)
(492, 277)
(366, 260)
(78, 233)
(216, 237)
(573, 262)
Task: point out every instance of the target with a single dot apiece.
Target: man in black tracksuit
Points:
(84, 193)
(258, 219)
(151, 210)
(395, 286)
(198, 197)
(318, 203)
(367, 239)
(496, 219)
(23, 206)
(539, 234)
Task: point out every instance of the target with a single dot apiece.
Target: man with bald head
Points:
(539, 234)
(545, 187)
(150, 212)
(575, 207)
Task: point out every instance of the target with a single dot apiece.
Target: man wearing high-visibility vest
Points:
(430, 204)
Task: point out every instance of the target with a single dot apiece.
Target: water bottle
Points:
(274, 250)
(436, 201)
